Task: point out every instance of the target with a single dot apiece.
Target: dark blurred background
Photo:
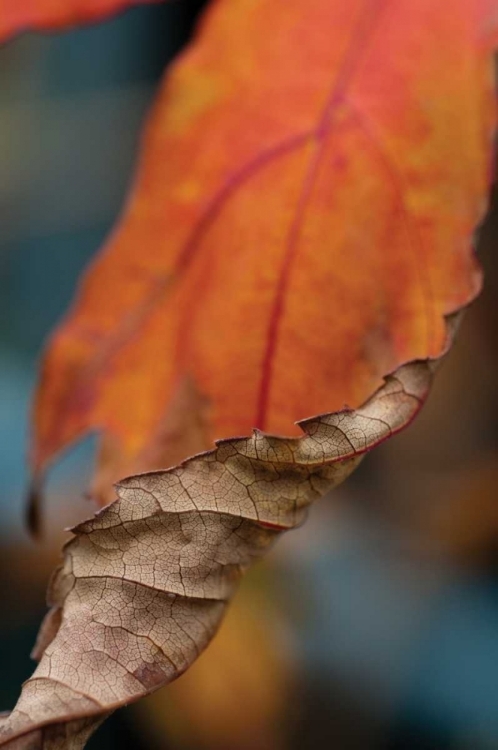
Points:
(375, 626)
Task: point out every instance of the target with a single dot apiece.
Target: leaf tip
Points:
(33, 505)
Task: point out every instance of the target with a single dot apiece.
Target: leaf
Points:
(54, 14)
(145, 583)
(300, 224)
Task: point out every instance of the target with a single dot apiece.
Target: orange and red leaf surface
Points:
(51, 15)
(300, 223)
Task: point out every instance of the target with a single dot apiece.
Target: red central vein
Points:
(362, 33)
(250, 170)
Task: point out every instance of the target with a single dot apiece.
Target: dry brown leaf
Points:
(144, 584)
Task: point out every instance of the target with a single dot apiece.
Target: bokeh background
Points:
(375, 626)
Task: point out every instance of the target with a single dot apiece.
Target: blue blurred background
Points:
(383, 624)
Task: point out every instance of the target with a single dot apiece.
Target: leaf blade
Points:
(51, 15)
(362, 195)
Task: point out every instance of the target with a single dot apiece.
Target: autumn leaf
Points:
(18, 16)
(300, 224)
(145, 583)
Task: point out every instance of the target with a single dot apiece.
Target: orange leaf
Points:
(20, 15)
(301, 222)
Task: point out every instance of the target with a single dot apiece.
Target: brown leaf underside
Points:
(144, 584)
